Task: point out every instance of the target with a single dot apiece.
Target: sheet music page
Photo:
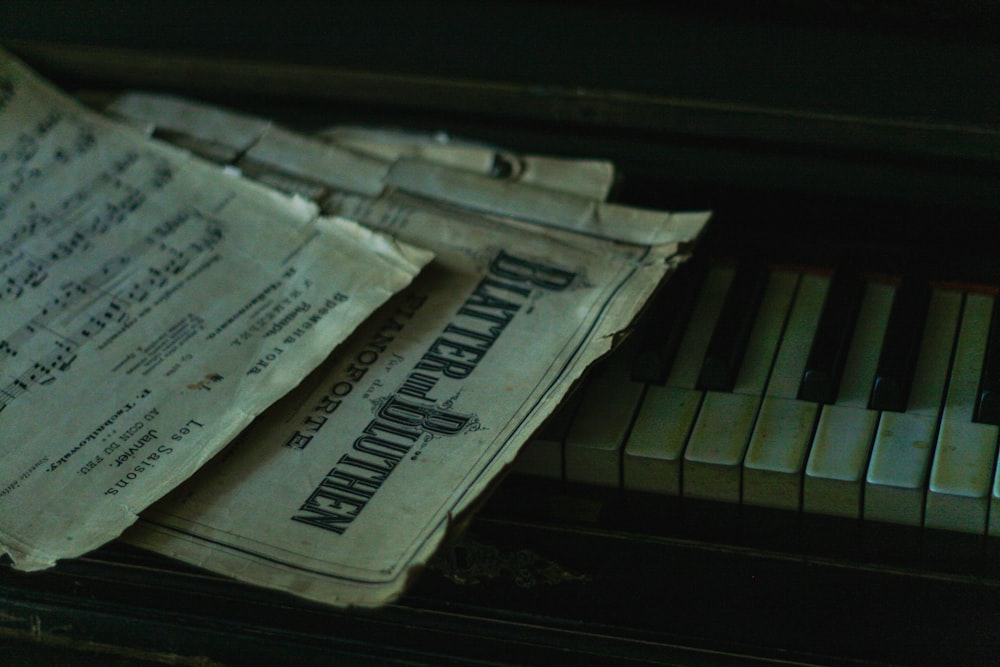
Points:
(552, 208)
(342, 489)
(150, 307)
(583, 177)
(223, 135)
(557, 192)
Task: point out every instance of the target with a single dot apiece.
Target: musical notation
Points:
(46, 239)
(31, 274)
(33, 153)
(74, 225)
(39, 373)
(79, 312)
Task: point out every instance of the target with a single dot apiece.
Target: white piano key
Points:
(596, 436)
(862, 358)
(772, 469)
(718, 443)
(837, 461)
(895, 486)
(838, 458)
(720, 435)
(896, 482)
(798, 335)
(687, 365)
(772, 472)
(962, 472)
(652, 456)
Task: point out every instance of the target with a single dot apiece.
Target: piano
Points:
(792, 460)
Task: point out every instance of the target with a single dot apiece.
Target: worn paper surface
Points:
(223, 135)
(559, 193)
(150, 307)
(586, 178)
(563, 194)
(348, 484)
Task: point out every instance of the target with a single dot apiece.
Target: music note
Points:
(74, 200)
(157, 278)
(77, 242)
(36, 274)
(137, 293)
(93, 326)
(115, 311)
(69, 294)
(113, 213)
(16, 388)
(212, 236)
(99, 225)
(21, 232)
(10, 346)
(112, 311)
(163, 173)
(176, 264)
(109, 269)
(85, 140)
(12, 289)
(134, 200)
(14, 186)
(26, 148)
(38, 374)
(45, 125)
(62, 360)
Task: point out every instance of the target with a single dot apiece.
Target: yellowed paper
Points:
(344, 488)
(150, 307)
(588, 178)
(222, 135)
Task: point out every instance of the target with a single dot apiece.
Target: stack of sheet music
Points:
(157, 301)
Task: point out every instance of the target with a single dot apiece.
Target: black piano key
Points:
(830, 345)
(901, 346)
(732, 330)
(663, 327)
(988, 399)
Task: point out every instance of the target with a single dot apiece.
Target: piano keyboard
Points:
(830, 394)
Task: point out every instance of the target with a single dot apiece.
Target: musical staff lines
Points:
(39, 373)
(79, 312)
(67, 278)
(52, 142)
(74, 225)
